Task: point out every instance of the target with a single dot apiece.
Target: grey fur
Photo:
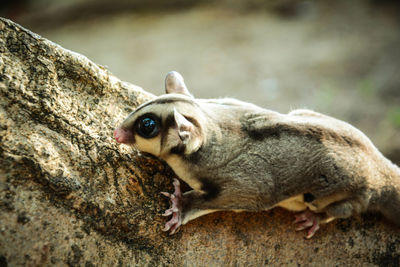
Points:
(252, 159)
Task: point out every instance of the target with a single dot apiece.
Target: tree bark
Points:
(70, 195)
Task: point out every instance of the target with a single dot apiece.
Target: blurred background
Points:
(337, 57)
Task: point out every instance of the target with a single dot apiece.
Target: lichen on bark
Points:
(69, 195)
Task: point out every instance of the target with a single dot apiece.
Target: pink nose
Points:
(123, 136)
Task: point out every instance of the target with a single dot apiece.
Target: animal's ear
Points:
(174, 83)
(185, 128)
(188, 136)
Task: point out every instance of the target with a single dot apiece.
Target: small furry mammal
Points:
(241, 157)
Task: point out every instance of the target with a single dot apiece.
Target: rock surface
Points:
(69, 195)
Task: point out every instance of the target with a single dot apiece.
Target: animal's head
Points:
(169, 124)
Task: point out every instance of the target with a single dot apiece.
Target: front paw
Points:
(175, 210)
(307, 220)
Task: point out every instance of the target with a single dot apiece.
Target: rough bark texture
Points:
(69, 195)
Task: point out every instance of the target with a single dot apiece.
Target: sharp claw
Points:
(299, 218)
(313, 230)
(167, 213)
(305, 225)
(166, 194)
(309, 235)
(170, 211)
(300, 228)
(169, 224)
(174, 229)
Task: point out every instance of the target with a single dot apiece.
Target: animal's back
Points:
(367, 168)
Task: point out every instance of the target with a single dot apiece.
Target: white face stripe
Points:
(151, 145)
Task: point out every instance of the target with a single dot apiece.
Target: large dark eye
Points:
(148, 126)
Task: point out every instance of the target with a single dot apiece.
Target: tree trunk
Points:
(70, 195)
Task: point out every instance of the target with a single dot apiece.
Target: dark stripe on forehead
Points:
(161, 100)
(167, 124)
(168, 100)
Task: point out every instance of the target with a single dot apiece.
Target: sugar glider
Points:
(238, 156)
